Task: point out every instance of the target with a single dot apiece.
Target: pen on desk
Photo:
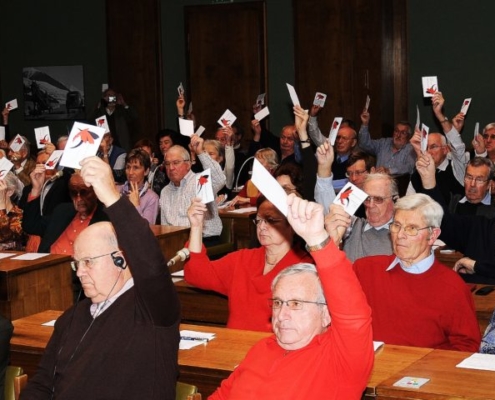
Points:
(194, 338)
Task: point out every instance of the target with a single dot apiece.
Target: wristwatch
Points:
(445, 120)
(319, 246)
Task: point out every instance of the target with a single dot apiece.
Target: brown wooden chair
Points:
(226, 242)
(15, 380)
(184, 391)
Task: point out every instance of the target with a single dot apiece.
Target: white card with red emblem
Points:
(55, 157)
(430, 85)
(5, 166)
(332, 136)
(350, 197)
(424, 137)
(84, 141)
(42, 136)
(320, 99)
(17, 143)
(465, 106)
(102, 122)
(11, 105)
(227, 118)
(204, 189)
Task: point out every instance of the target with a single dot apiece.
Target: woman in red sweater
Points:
(244, 276)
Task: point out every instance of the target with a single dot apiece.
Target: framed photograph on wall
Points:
(53, 93)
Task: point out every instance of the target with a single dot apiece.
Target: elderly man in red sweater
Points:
(416, 300)
(322, 347)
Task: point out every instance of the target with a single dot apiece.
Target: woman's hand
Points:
(196, 213)
(134, 193)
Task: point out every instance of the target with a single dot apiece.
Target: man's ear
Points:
(326, 318)
(372, 170)
(435, 233)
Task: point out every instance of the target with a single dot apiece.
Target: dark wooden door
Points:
(226, 60)
(134, 60)
(349, 49)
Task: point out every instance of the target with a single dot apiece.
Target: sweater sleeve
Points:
(155, 289)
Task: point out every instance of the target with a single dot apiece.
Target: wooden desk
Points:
(243, 229)
(28, 287)
(171, 240)
(446, 381)
(389, 360)
(202, 307)
(204, 366)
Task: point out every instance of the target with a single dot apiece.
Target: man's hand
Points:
(314, 110)
(197, 144)
(324, 157)
(3, 195)
(256, 127)
(5, 115)
(95, 172)
(365, 118)
(306, 218)
(416, 141)
(50, 148)
(180, 104)
(458, 122)
(336, 223)
(478, 144)
(301, 122)
(426, 169)
(437, 102)
(37, 176)
(465, 265)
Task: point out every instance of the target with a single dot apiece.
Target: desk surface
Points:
(446, 381)
(8, 266)
(166, 230)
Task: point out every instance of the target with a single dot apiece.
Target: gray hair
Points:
(13, 183)
(299, 269)
(432, 211)
(217, 145)
(491, 125)
(182, 150)
(480, 162)
(392, 184)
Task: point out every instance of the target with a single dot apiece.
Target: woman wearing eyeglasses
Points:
(244, 276)
(137, 188)
(12, 236)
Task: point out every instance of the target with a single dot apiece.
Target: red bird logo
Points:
(18, 140)
(203, 180)
(3, 172)
(86, 136)
(101, 121)
(9, 106)
(225, 122)
(320, 97)
(335, 125)
(431, 90)
(52, 163)
(44, 140)
(344, 197)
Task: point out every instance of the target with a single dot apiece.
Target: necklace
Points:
(269, 263)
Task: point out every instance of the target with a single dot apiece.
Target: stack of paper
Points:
(190, 339)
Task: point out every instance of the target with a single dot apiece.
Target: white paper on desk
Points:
(42, 136)
(2, 132)
(350, 197)
(186, 127)
(11, 105)
(30, 256)
(176, 279)
(269, 186)
(263, 113)
(178, 273)
(189, 344)
(244, 210)
(485, 362)
(293, 95)
(204, 189)
(5, 255)
(377, 345)
(49, 323)
(84, 141)
(5, 167)
(411, 382)
(197, 334)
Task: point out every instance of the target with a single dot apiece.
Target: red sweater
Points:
(433, 309)
(239, 276)
(335, 365)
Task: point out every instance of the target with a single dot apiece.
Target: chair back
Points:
(15, 380)
(184, 391)
(226, 241)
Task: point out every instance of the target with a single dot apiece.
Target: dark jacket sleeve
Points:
(151, 275)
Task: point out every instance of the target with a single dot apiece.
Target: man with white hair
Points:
(416, 300)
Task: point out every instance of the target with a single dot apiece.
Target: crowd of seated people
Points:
(389, 240)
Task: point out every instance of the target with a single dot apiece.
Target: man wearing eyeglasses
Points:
(177, 196)
(368, 236)
(416, 300)
(395, 154)
(122, 341)
(477, 198)
(321, 347)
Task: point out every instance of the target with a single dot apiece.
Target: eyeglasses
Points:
(409, 230)
(399, 132)
(276, 304)
(81, 193)
(89, 261)
(174, 163)
(268, 221)
(435, 146)
(376, 199)
(486, 137)
(348, 174)
(478, 180)
(343, 138)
